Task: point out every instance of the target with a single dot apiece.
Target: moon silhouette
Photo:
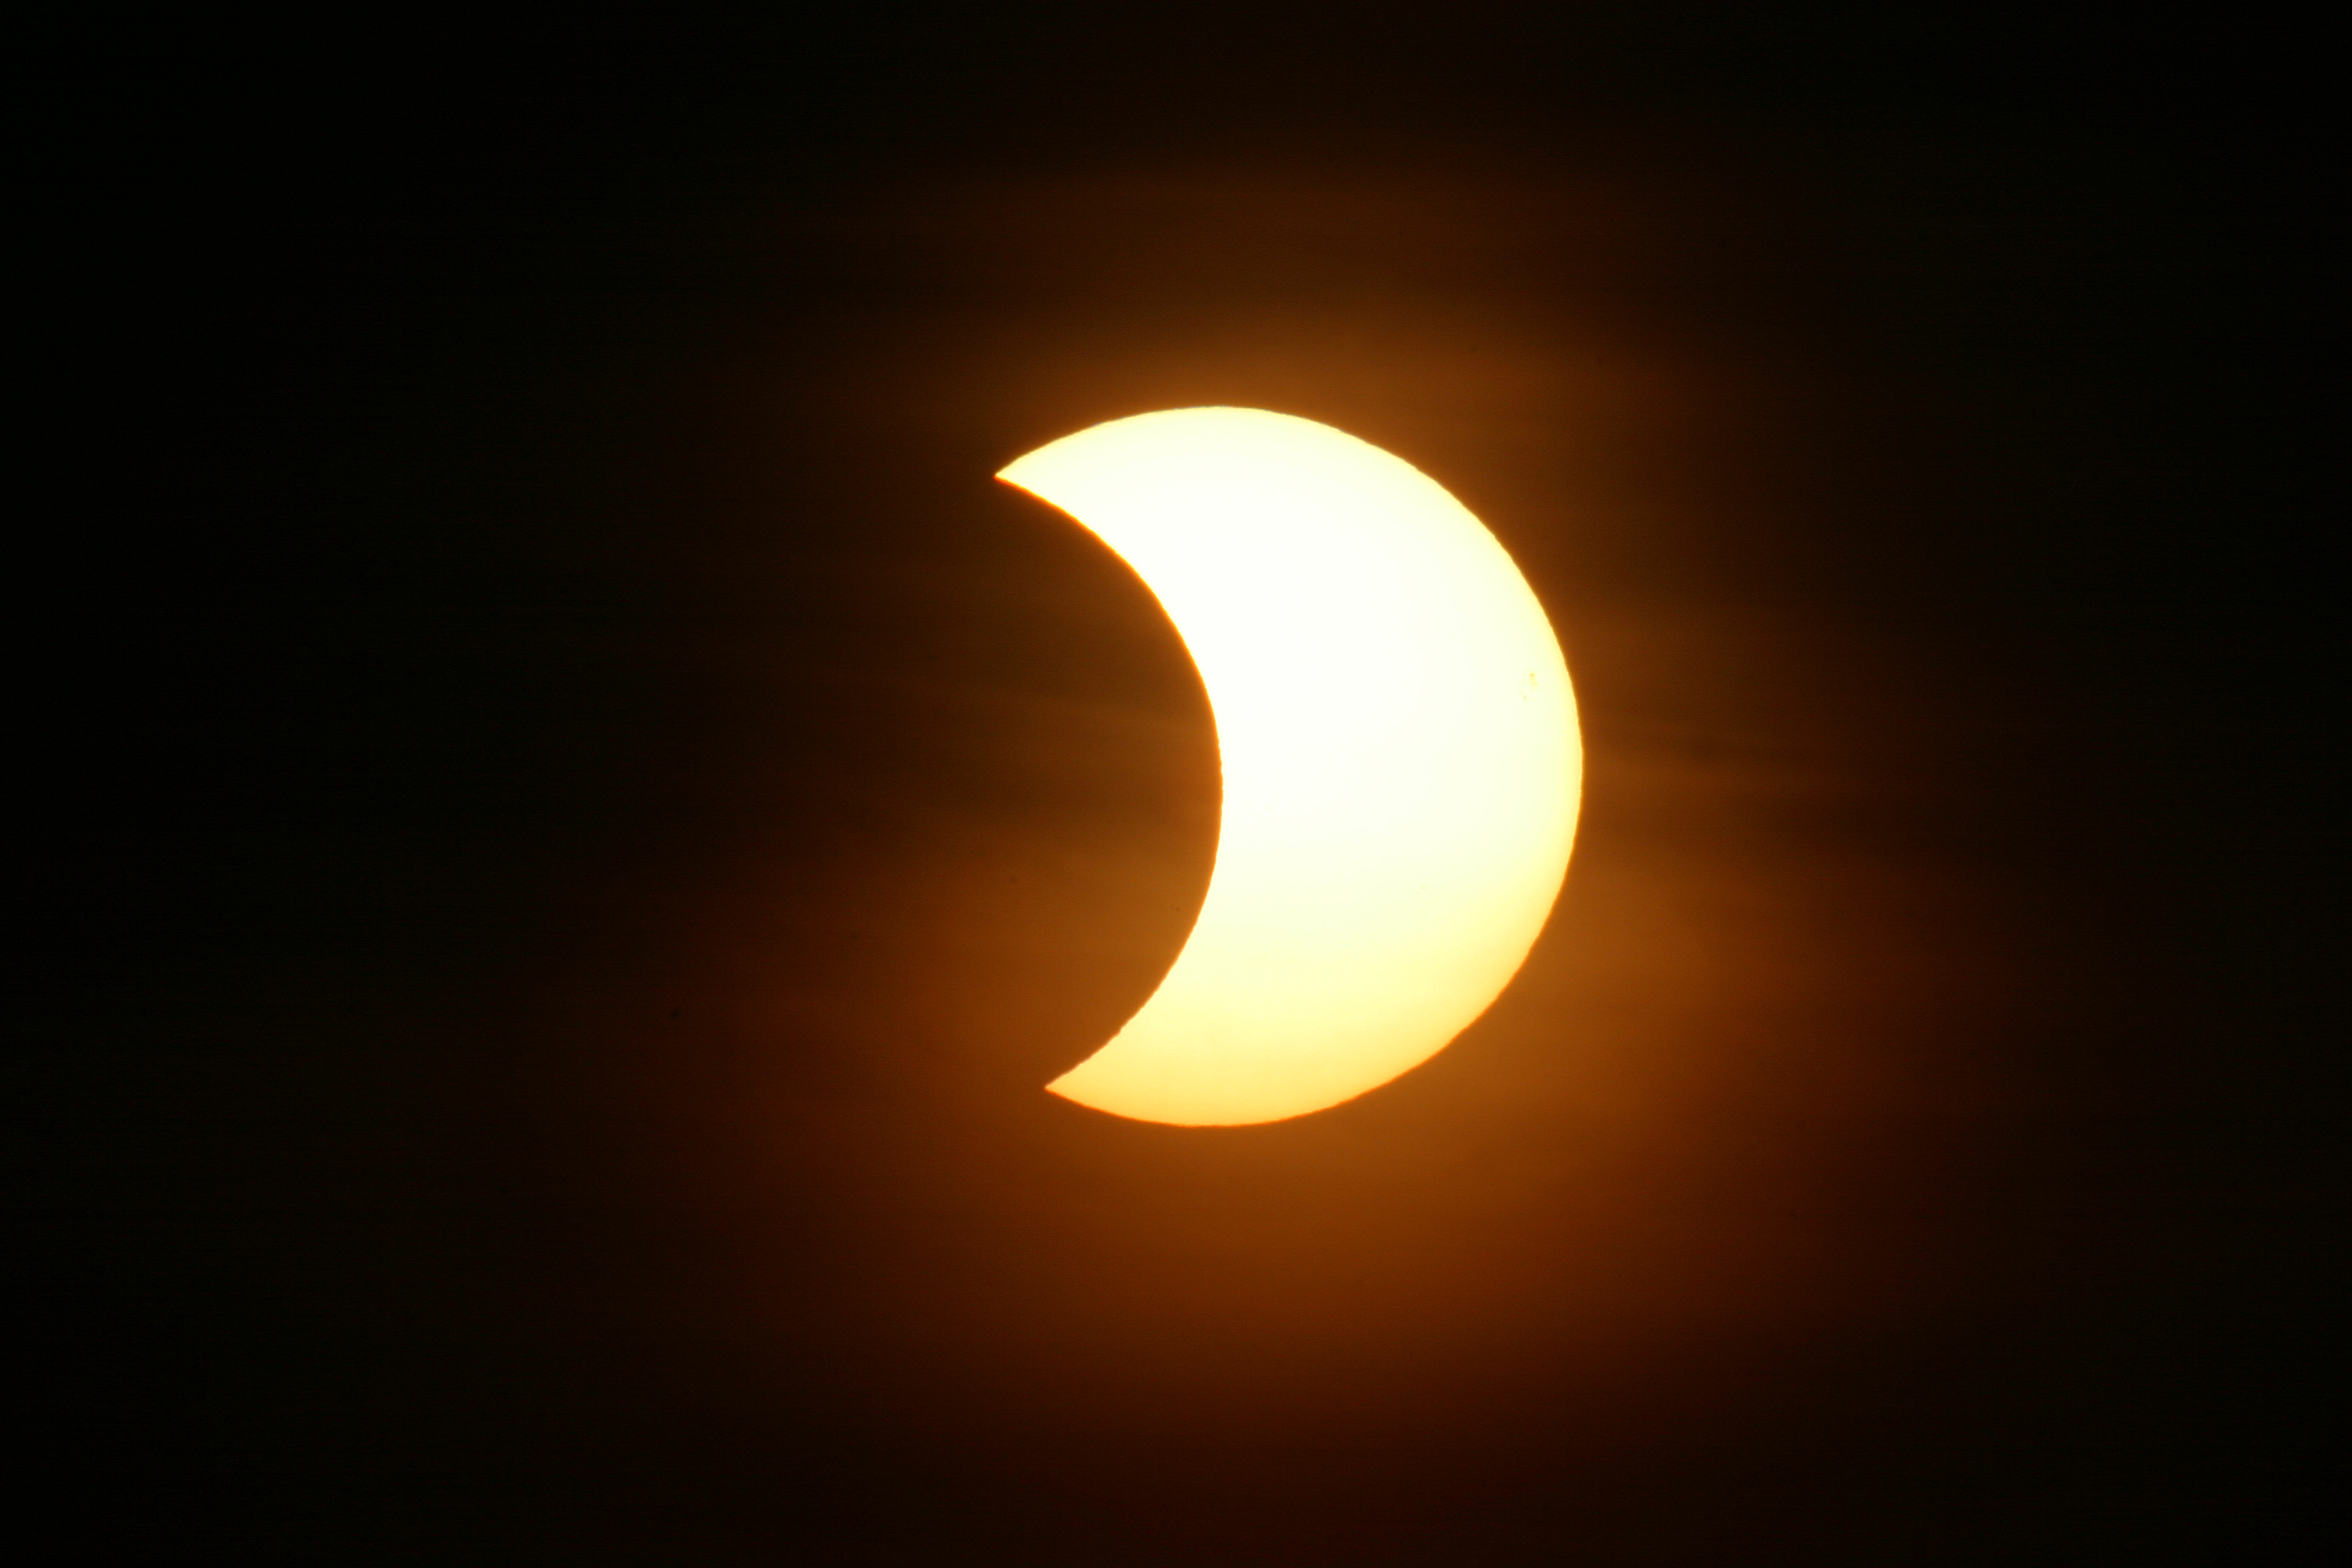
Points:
(1398, 746)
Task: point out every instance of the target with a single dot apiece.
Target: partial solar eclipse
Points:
(1398, 744)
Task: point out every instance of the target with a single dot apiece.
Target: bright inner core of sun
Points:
(1398, 746)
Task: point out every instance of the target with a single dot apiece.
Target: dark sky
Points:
(590, 818)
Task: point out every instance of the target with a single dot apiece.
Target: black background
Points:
(588, 817)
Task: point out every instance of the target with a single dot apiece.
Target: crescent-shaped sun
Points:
(1398, 744)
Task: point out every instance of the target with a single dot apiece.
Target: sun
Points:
(1398, 737)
